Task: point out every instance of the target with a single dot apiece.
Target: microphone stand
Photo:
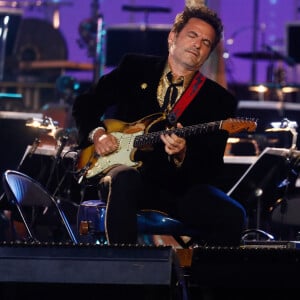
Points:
(254, 42)
(62, 143)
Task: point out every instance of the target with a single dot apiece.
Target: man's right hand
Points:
(105, 143)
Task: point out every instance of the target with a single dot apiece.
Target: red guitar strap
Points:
(186, 97)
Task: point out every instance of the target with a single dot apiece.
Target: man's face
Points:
(192, 46)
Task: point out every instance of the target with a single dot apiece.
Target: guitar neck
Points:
(152, 138)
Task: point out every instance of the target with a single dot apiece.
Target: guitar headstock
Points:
(239, 124)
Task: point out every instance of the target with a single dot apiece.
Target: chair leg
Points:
(20, 230)
(256, 235)
(7, 232)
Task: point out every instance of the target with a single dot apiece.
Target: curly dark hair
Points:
(203, 13)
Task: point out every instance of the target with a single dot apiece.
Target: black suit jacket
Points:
(128, 93)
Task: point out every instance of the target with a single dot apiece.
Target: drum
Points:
(32, 47)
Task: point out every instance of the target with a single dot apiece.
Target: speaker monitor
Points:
(241, 273)
(91, 272)
(293, 41)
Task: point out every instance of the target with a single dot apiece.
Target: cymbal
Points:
(285, 88)
(46, 123)
(260, 55)
(146, 9)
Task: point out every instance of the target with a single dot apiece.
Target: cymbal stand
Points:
(98, 43)
(92, 34)
(3, 40)
(254, 40)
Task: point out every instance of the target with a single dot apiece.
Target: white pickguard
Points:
(120, 156)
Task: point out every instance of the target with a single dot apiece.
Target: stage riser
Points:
(86, 272)
(261, 267)
(86, 265)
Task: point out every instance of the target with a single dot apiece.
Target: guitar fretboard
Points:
(154, 137)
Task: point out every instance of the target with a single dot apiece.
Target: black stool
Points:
(151, 223)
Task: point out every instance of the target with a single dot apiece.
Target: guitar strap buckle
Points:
(172, 118)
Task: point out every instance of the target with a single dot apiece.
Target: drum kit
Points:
(276, 86)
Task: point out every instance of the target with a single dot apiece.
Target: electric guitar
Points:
(136, 135)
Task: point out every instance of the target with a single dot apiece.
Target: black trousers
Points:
(218, 219)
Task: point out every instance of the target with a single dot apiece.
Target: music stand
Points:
(261, 185)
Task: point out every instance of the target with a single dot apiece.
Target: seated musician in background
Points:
(177, 173)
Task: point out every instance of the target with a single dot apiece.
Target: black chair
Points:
(37, 209)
